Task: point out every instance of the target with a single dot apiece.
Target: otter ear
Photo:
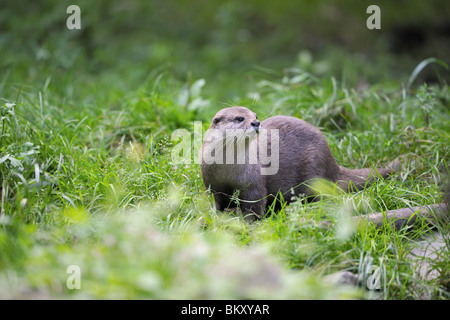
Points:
(216, 120)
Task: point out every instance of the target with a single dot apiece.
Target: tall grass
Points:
(87, 179)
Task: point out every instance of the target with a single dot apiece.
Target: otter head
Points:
(231, 133)
(236, 118)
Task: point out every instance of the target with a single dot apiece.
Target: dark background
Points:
(204, 38)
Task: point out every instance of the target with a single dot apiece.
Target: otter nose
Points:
(255, 124)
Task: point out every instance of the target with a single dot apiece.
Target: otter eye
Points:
(216, 120)
(240, 119)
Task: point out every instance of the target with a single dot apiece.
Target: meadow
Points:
(88, 181)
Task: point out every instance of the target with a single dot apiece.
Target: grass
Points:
(88, 180)
(91, 183)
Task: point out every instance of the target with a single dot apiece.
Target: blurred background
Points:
(87, 116)
(219, 40)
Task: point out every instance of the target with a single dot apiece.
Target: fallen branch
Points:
(435, 213)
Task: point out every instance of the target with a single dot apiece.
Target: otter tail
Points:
(357, 179)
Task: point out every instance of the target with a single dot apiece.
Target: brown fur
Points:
(304, 155)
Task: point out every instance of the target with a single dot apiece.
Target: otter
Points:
(246, 168)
